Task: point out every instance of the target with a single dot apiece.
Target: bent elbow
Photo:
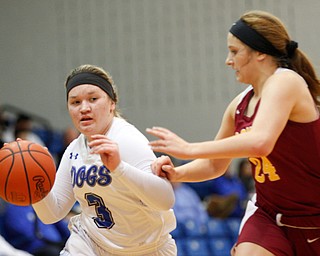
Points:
(171, 202)
(168, 203)
(48, 221)
(262, 148)
(165, 203)
(220, 170)
(47, 217)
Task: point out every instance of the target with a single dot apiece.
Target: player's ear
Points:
(261, 56)
(112, 107)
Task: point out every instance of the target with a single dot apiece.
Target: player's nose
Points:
(229, 60)
(85, 107)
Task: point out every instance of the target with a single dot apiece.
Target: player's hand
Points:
(19, 139)
(108, 150)
(169, 143)
(7, 143)
(164, 167)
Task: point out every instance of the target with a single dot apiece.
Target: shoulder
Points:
(285, 85)
(287, 78)
(133, 145)
(121, 127)
(120, 123)
(125, 133)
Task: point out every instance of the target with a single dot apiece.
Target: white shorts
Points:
(80, 244)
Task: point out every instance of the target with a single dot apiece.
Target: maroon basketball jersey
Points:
(288, 179)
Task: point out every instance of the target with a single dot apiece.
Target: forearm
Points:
(154, 191)
(237, 146)
(51, 210)
(57, 204)
(202, 169)
(46, 209)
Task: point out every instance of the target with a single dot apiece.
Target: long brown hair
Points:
(275, 32)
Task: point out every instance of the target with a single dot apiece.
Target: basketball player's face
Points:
(90, 109)
(239, 58)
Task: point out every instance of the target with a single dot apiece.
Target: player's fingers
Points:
(170, 171)
(163, 175)
(167, 168)
(158, 132)
(98, 136)
(158, 143)
(98, 140)
(158, 128)
(105, 148)
(155, 169)
(156, 166)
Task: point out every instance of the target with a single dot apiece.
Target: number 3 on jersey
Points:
(104, 217)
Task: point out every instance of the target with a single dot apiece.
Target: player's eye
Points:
(74, 102)
(233, 52)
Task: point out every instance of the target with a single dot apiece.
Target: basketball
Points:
(27, 172)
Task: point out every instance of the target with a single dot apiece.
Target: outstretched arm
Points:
(194, 171)
(276, 108)
(199, 169)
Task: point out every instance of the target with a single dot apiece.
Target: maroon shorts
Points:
(286, 240)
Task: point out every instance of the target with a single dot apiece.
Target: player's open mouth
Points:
(86, 120)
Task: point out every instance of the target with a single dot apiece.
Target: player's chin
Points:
(241, 79)
(87, 130)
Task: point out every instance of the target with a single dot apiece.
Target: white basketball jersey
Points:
(120, 210)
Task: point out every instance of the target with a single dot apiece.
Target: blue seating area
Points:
(216, 239)
(52, 138)
(42, 127)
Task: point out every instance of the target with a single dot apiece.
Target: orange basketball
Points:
(27, 172)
